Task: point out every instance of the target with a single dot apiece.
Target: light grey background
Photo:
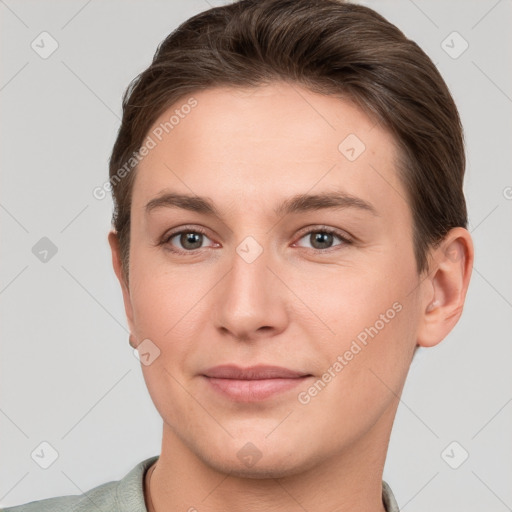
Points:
(68, 375)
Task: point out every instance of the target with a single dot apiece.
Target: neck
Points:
(347, 481)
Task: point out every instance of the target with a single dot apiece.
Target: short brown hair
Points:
(329, 47)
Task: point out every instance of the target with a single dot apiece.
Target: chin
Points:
(250, 462)
(263, 473)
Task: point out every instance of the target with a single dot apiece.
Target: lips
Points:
(252, 373)
(254, 383)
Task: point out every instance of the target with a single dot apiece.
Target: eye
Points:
(189, 240)
(324, 238)
(185, 240)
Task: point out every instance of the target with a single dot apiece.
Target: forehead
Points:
(264, 143)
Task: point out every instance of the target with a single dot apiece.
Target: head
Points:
(287, 184)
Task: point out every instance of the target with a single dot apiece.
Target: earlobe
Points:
(445, 287)
(132, 341)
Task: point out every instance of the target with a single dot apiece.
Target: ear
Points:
(445, 287)
(113, 241)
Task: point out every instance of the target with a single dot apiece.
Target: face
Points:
(285, 303)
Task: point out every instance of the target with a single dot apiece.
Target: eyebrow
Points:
(296, 204)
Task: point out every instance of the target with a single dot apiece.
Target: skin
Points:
(296, 305)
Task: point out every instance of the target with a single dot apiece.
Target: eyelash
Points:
(320, 229)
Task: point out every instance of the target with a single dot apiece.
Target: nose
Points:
(251, 300)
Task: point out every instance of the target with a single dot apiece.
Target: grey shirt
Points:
(127, 495)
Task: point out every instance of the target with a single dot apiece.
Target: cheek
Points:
(372, 316)
(364, 366)
(167, 318)
(351, 301)
(170, 308)
(164, 296)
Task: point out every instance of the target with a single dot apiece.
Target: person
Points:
(289, 227)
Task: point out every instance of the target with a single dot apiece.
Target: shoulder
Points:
(102, 497)
(388, 498)
(125, 495)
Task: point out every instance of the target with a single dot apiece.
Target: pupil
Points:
(322, 238)
(191, 239)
